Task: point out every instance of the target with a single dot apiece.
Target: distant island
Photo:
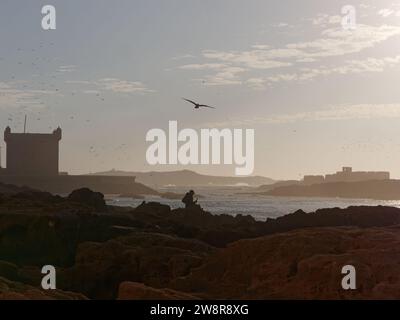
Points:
(375, 189)
(185, 178)
(342, 184)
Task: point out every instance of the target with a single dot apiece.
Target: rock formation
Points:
(106, 252)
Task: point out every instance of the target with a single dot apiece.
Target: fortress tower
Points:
(32, 154)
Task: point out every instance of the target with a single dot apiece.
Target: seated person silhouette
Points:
(189, 201)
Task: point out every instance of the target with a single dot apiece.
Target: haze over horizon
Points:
(318, 97)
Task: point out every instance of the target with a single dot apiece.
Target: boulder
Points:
(89, 198)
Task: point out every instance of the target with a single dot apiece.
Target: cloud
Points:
(68, 68)
(122, 86)
(261, 46)
(334, 42)
(204, 66)
(226, 76)
(281, 25)
(339, 42)
(13, 96)
(392, 10)
(348, 67)
(256, 83)
(184, 56)
(244, 67)
(79, 82)
(230, 76)
(386, 12)
(336, 113)
(253, 59)
(333, 113)
(91, 91)
(323, 19)
(366, 6)
(111, 84)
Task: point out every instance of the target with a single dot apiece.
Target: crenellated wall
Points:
(32, 154)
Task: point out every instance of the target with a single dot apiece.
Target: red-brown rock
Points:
(139, 291)
(303, 264)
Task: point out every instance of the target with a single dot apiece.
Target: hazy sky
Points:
(319, 97)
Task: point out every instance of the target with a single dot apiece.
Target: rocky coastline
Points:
(154, 252)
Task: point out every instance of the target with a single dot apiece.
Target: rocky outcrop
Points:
(8, 270)
(139, 291)
(10, 290)
(220, 230)
(153, 259)
(374, 189)
(193, 252)
(360, 216)
(9, 189)
(88, 197)
(303, 264)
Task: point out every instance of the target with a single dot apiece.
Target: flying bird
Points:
(198, 105)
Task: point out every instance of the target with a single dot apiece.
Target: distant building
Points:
(347, 175)
(32, 154)
(313, 179)
(2, 170)
(32, 161)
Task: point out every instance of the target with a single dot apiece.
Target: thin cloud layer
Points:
(13, 96)
(122, 86)
(332, 113)
(263, 64)
(114, 85)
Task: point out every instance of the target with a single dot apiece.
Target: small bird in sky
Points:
(198, 105)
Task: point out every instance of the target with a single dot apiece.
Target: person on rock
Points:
(189, 201)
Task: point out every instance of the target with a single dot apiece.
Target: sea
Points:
(233, 201)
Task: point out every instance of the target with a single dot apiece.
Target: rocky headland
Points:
(374, 189)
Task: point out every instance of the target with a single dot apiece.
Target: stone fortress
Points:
(32, 160)
(346, 175)
(32, 154)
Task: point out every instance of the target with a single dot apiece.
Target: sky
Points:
(318, 96)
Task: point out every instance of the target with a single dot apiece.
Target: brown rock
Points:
(303, 264)
(10, 290)
(153, 259)
(139, 291)
(88, 197)
(8, 270)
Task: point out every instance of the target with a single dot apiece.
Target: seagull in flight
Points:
(198, 105)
